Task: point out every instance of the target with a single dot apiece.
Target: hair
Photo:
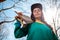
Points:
(38, 5)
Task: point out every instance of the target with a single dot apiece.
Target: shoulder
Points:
(29, 24)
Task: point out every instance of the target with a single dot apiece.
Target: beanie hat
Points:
(36, 5)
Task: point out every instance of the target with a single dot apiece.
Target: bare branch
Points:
(54, 26)
(58, 28)
(9, 7)
(6, 21)
(2, 0)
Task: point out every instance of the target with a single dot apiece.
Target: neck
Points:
(39, 21)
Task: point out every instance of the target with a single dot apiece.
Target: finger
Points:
(17, 17)
(15, 11)
(19, 13)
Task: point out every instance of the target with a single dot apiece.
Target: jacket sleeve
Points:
(20, 32)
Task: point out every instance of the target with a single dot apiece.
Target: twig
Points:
(6, 21)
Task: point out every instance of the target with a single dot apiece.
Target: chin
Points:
(37, 16)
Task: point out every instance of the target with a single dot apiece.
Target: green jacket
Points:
(35, 31)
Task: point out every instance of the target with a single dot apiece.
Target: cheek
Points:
(40, 13)
(34, 14)
(37, 14)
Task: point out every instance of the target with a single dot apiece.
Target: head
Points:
(37, 13)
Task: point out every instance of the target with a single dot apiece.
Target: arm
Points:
(20, 32)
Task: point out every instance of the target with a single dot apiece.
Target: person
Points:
(38, 29)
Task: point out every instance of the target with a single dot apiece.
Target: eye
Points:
(34, 10)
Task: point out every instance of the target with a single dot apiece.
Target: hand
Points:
(19, 14)
(19, 17)
(23, 17)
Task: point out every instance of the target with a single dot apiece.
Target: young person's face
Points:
(37, 13)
